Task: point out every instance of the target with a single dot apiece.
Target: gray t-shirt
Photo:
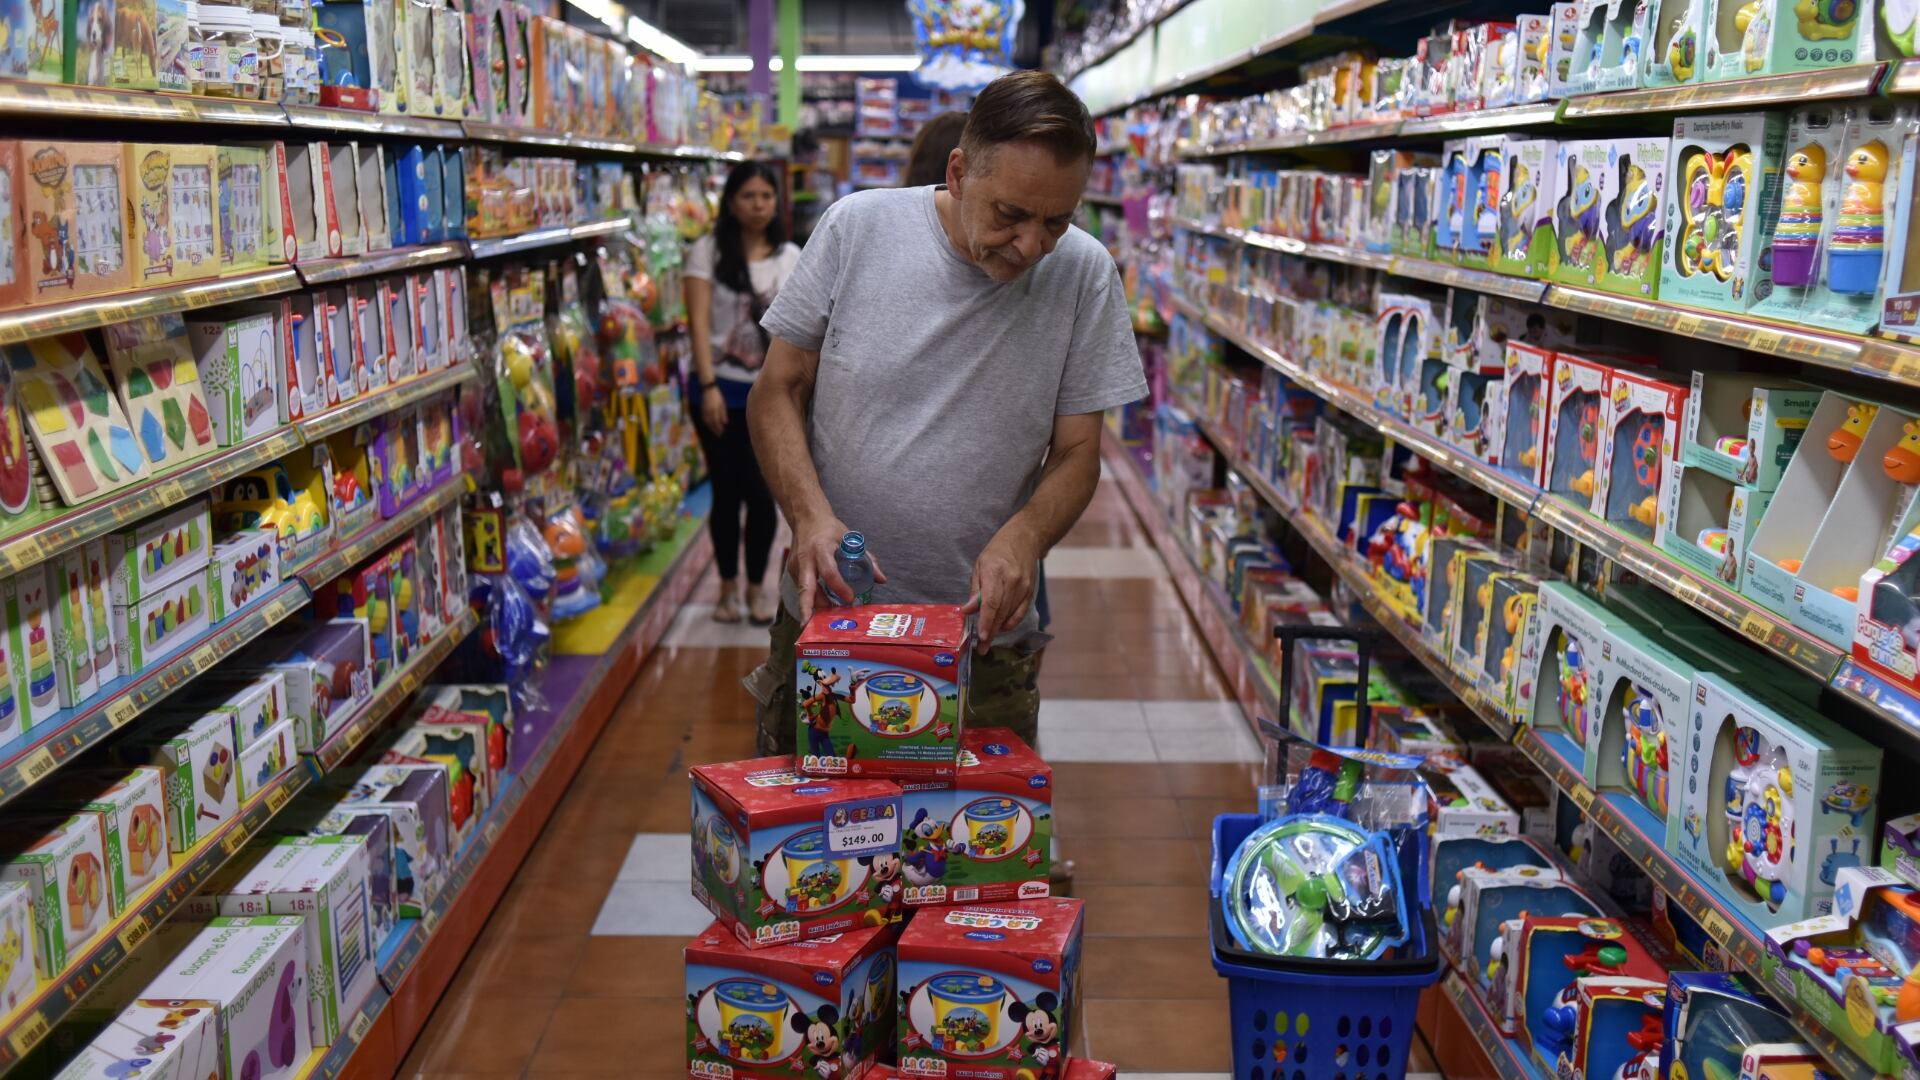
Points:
(937, 387)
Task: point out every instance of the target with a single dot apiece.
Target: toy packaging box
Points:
(318, 819)
(328, 667)
(1502, 671)
(1729, 168)
(1488, 898)
(780, 857)
(1616, 1028)
(989, 991)
(242, 568)
(1900, 308)
(1776, 37)
(797, 1009)
(1632, 217)
(1473, 602)
(1872, 508)
(198, 759)
(243, 217)
(326, 883)
(1524, 401)
(1848, 967)
(1464, 804)
(1640, 420)
(1576, 395)
(240, 372)
(1778, 549)
(1523, 236)
(1584, 183)
(79, 227)
(264, 759)
(1541, 957)
(146, 557)
(131, 806)
(1568, 632)
(1703, 1007)
(1768, 769)
(255, 967)
(1452, 854)
(164, 1039)
(1886, 638)
(175, 195)
(1829, 242)
(1640, 694)
(882, 690)
(415, 800)
(984, 837)
(1707, 523)
(1745, 428)
(1677, 27)
(165, 620)
(63, 862)
(18, 978)
(72, 621)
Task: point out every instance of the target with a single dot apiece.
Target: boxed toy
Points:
(1703, 1007)
(173, 213)
(1873, 507)
(163, 621)
(31, 677)
(414, 798)
(1776, 37)
(1585, 181)
(198, 759)
(72, 623)
(1501, 672)
(242, 568)
(1639, 426)
(1745, 428)
(326, 883)
(328, 671)
(1848, 968)
(1610, 215)
(1540, 959)
(63, 862)
(989, 990)
(241, 172)
(1488, 898)
(158, 552)
(984, 837)
(239, 360)
(1829, 240)
(255, 967)
(1900, 310)
(1677, 27)
(1730, 168)
(1574, 400)
(1887, 622)
(1641, 694)
(265, 758)
(1616, 1026)
(1473, 604)
(317, 820)
(1707, 523)
(882, 690)
(17, 975)
(780, 857)
(130, 805)
(1522, 418)
(1453, 854)
(1778, 549)
(1517, 73)
(1464, 804)
(1767, 768)
(460, 742)
(165, 1039)
(77, 219)
(1569, 631)
(812, 1006)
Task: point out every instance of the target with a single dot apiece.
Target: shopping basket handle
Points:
(1363, 639)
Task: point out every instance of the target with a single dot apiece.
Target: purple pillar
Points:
(760, 49)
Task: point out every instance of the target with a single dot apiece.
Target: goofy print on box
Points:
(881, 691)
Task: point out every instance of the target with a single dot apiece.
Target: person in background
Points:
(732, 275)
(932, 146)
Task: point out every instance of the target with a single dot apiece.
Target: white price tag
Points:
(867, 827)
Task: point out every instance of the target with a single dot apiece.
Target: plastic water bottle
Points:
(856, 569)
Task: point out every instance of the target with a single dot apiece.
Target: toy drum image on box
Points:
(984, 837)
(780, 857)
(882, 690)
(988, 992)
(789, 1010)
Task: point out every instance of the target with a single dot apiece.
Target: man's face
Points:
(1015, 206)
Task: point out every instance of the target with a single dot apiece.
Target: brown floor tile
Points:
(1206, 779)
(1160, 1035)
(1075, 816)
(483, 1033)
(629, 967)
(1101, 779)
(1132, 861)
(1144, 911)
(1189, 687)
(553, 906)
(1104, 663)
(522, 965)
(1150, 967)
(1091, 687)
(1198, 813)
(591, 1034)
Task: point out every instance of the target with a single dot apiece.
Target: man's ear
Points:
(956, 171)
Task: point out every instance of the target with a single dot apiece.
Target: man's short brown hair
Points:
(1029, 106)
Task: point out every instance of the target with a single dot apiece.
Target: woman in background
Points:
(732, 275)
(927, 161)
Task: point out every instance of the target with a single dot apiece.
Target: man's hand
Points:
(814, 569)
(713, 409)
(1002, 586)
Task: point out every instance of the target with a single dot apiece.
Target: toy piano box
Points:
(989, 991)
(882, 691)
(985, 836)
(774, 1014)
(780, 857)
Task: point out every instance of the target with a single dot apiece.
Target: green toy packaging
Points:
(1607, 214)
(1523, 237)
(1744, 428)
(1676, 26)
(1707, 522)
(882, 690)
(1748, 38)
(1725, 176)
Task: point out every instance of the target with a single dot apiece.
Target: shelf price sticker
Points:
(1756, 627)
(28, 1033)
(121, 711)
(134, 933)
(1717, 926)
(863, 827)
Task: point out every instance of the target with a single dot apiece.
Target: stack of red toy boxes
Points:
(882, 898)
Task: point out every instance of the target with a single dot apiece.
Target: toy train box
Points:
(773, 1014)
(987, 991)
(882, 690)
(781, 857)
(985, 836)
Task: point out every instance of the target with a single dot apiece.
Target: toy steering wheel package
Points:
(1316, 887)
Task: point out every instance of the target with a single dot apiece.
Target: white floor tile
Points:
(694, 627)
(1104, 563)
(658, 857)
(650, 909)
(1075, 714)
(1193, 715)
(1098, 746)
(1206, 745)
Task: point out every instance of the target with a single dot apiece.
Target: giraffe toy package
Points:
(881, 690)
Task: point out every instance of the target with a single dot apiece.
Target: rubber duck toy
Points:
(1860, 235)
(1797, 236)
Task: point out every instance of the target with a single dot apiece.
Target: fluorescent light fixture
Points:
(812, 63)
(659, 42)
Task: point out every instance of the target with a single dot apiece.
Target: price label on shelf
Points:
(1766, 341)
(1717, 926)
(1758, 628)
(277, 797)
(121, 710)
(1686, 324)
(25, 552)
(358, 1029)
(1688, 592)
(233, 841)
(171, 492)
(28, 1033)
(203, 658)
(37, 765)
(1582, 797)
(134, 933)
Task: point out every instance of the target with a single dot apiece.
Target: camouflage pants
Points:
(1005, 690)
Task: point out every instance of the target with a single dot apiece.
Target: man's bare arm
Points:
(1003, 576)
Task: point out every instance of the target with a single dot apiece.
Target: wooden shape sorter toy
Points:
(159, 383)
(76, 214)
(16, 468)
(77, 425)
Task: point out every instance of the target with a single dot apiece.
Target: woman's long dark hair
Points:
(927, 161)
(730, 268)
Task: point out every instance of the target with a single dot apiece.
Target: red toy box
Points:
(882, 690)
(784, 1012)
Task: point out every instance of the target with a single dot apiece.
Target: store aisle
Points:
(579, 972)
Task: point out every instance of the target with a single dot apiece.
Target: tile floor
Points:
(578, 973)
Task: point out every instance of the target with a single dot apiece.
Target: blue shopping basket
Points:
(1304, 1019)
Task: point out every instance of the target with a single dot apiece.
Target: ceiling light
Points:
(725, 63)
(811, 63)
(659, 42)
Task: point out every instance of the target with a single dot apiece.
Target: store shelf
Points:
(346, 554)
(1766, 92)
(1101, 200)
(85, 314)
(1508, 118)
(24, 1029)
(385, 400)
(1511, 1061)
(508, 133)
(53, 101)
(548, 237)
(47, 745)
(395, 261)
(360, 122)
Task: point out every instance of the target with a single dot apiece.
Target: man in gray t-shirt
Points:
(940, 360)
